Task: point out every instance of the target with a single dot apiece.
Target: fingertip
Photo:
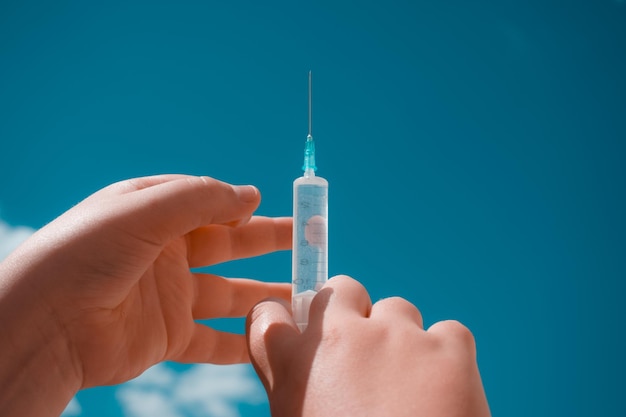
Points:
(268, 312)
(247, 193)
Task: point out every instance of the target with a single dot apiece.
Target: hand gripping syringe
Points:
(310, 233)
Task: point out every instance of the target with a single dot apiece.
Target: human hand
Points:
(105, 291)
(359, 359)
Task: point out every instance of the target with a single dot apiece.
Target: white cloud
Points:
(202, 390)
(72, 409)
(146, 403)
(11, 237)
(158, 377)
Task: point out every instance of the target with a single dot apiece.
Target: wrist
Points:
(38, 373)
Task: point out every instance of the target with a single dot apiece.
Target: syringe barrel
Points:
(310, 243)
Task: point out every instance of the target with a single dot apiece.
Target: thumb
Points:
(161, 208)
(271, 333)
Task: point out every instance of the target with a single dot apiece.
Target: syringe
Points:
(310, 233)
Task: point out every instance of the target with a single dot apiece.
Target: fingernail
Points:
(246, 193)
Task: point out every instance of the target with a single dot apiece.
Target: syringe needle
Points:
(309, 150)
(310, 103)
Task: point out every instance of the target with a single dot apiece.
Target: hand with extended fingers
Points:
(106, 290)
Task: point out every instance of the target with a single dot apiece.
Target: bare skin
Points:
(359, 359)
(105, 291)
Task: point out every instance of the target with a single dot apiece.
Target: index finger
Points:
(214, 244)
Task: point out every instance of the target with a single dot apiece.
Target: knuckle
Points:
(459, 332)
(399, 306)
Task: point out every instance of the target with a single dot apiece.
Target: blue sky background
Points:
(475, 152)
